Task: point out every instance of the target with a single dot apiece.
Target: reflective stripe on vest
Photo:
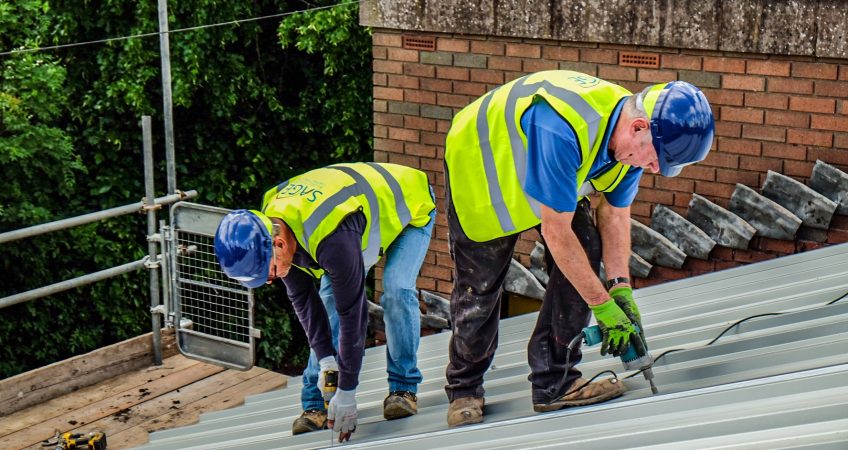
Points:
(484, 121)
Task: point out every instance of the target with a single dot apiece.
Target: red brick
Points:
(433, 138)
(402, 54)
(402, 134)
(724, 97)
(487, 76)
(538, 65)
(379, 79)
(763, 100)
(788, 119)
(475, 89)
(617, 73)
(674, 184)
(523, 50)
(422, 97)
(444, 288)
(837, 236)
(685, 62)
(404, 160)
(784, 151)
(728, 129)
(716, 159)
(765, 133)
(452, 45)
(776, 245)
(430, 84)
(843, 72)
(387, 66)
(386, 93)
(452, 73)
(379, 52)
(599, 55)
(392, 120)
(389, 40)
(698, 265)
(419, 123)
(656, 76)
(797, 168)
(388, 145)
(728, 176)
(769, 67)
(698, 172)
(790, 85)
(707, 188)
(381, 131)
(808, 104)
(504, 63)
(743, 82)
(381, 156)
(427, 151)
(419, 70)
(403, 81)
(558, 53)
(814, 70)
(432, 165)
(832, 89)
(655, 196)
(807, 137)
(739, 146)
(834, 123)
(830, 155)
(439, 273)
(722, 265)
(682, 199)
(380, 105)
(840, 140)
(759, 164)
(458, 101)
(747, 115)
(487, 47)
(725, 65)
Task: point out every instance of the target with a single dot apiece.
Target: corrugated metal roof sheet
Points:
(773, 381)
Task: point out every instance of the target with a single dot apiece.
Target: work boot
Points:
(594, 392)
(310, 420)
(400, 404)
(465, 411)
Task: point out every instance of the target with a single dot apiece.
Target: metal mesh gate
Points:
(213, 314)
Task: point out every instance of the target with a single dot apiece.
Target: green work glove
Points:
(624, 299)
(615, 327)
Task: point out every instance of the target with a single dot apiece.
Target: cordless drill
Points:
(77, 441)
(331, 383)
(631, 359)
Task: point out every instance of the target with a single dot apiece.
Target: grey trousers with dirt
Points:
(475, 312)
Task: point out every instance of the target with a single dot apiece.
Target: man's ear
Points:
(639, 124)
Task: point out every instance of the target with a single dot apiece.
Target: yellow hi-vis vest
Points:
(315, 203)
(486, 149)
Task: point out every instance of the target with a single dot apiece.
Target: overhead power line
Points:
(178, 30)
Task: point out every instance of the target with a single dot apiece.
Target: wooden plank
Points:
(91, 394)
(172, 402)
(189, 414)
(108, 406)
(42, 384)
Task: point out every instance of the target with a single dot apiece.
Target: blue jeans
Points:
(400, 314)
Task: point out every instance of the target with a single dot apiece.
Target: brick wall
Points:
(775, 113)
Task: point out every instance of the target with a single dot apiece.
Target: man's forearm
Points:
(614, 226)
(572, 261)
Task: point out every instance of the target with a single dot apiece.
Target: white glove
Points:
(341, 414)
(327, 363)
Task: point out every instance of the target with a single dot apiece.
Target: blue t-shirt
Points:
(553, 157)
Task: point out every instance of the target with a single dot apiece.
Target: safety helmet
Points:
(243, 246)
(682, 124)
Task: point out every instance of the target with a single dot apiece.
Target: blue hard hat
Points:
(682, 124)
(243, 246)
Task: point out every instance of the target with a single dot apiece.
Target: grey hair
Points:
(633, 105)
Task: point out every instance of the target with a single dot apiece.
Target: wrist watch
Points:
(617, 280)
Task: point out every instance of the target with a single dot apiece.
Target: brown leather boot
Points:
(310, 420)
(400, 404)
(594, 392)
(465, 411)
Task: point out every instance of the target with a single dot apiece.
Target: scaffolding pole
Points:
(152, 264)
(167, 109)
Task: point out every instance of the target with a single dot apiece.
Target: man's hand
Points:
(327, 364)
(615, 327)
(341, 414)
(624, 299)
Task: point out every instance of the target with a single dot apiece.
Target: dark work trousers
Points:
(475, 309)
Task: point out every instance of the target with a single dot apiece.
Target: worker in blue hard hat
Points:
(527, 155)
(334, 223)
